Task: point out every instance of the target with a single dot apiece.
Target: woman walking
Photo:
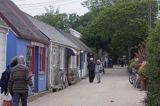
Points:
(98, 70)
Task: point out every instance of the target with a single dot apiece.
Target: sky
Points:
(37, 7)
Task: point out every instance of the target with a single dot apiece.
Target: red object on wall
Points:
(32, 58)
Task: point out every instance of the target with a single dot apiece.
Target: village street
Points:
(114, 90)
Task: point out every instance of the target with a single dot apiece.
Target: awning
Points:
(70, 52)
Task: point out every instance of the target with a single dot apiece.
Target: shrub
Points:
(152, 70)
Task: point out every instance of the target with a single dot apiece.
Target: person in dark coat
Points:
(91, 68)
(5, 76)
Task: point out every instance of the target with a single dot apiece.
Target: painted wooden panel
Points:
(53, 67)
(42, 83)
(36, 78)
(11, 46)
(62, 58)
(22, 47)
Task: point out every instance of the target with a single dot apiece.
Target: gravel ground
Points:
(114, 90)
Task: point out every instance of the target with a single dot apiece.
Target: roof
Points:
(75, 33)
(75, 40)
(19, 23)
(52, 33)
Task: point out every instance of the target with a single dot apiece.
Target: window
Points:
(30, 58)
(42, 60)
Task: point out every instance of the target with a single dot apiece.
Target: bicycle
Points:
(133, 77)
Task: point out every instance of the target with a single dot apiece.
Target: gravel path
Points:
(114, 90)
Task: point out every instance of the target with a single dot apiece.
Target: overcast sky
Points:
(36, 7)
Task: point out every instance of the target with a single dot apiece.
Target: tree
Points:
(152, 69)
(122, 26)
(54, 18)
(98, 4)
(73, 20)
(79, 23)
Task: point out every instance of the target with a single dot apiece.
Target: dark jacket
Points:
(4, 79)
(91, 66)
(6, 74)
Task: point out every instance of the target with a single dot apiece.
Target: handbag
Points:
(7, 100)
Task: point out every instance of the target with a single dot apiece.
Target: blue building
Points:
(24, 39)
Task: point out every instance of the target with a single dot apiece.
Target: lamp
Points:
(82, 51)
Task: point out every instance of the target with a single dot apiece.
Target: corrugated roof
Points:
(19, 23)
(75, 40)
(52, 33)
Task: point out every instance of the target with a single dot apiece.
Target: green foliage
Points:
(64, 21)
(60, 20)
(119, 27)
(153, 67)
(132, 64)
(97, 4)
(82, 22)
(73, 20)
(55, 19)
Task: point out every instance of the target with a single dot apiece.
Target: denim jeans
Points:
(17, 96)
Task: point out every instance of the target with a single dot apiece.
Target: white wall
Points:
(85, 71)
(73, 62)
(3, 41)
(62, 58)
(53, 59)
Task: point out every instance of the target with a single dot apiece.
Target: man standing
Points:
(91, 68)
(18, 83)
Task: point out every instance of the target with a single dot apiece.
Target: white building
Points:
(3, 44)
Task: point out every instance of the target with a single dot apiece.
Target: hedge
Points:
(153, 67)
